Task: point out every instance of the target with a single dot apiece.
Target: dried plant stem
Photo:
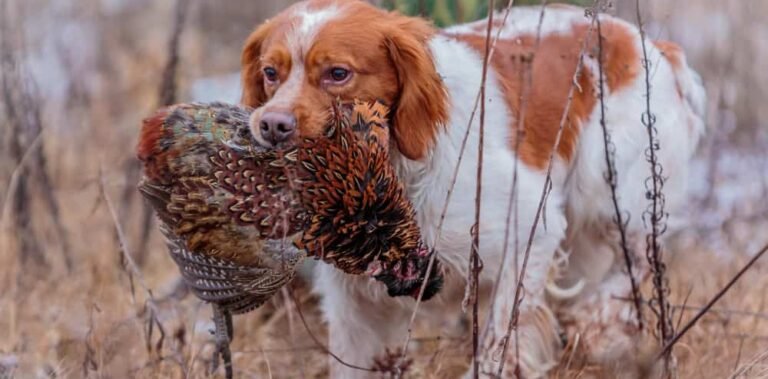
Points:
(168, 84)
(513, 320)
(448, 197)
(167, 95)
(655, 211)
(723, 311)
(291, 329)
(18, 195)
(526, 78)
(475, 265)
(23, 110)
(757, 363)
(611, 177)
(15, 177)
(133, 269)
(317, 341)
(667, 349)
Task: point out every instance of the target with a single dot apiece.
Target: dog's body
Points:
(297, 63)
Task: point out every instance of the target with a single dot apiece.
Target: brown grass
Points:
(92, 322)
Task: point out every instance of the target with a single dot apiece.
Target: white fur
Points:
(308, 24)
(525, 21)
(427, 183)
(363, 321)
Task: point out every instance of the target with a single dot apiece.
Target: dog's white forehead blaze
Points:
(304, 25)
(307, 24)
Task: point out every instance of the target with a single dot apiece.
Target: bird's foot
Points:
(223, 336)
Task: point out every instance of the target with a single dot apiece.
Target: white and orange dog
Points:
(298, 62)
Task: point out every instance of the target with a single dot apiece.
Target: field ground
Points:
(97, 67)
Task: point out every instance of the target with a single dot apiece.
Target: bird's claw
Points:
(223, 336)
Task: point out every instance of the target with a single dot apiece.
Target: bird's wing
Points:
(236, 288)
(158, 196)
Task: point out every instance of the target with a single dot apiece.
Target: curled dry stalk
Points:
(655, 214)
(611, 177)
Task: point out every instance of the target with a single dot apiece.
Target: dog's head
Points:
(295, 65)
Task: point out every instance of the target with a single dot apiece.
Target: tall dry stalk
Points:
(519, 287)
(167, 95)
(611, 177)
(475, 265)
(23, 111)
(655, 213)
(448, 197)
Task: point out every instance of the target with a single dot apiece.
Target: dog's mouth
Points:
(285, 146)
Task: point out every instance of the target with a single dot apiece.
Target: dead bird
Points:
(239, 218)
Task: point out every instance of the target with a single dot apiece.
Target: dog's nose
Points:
(276, 127)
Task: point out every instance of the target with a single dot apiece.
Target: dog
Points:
(297, 63)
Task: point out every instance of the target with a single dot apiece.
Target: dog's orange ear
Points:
(422, 106)
(252, 79)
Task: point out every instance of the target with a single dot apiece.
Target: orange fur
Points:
(621, 61)
(672, 52)
(422, 104)
(552, 71)
(675, 56)
(252, 78)
(395, 66)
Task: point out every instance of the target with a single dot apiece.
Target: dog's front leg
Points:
(530, 345)
(362, 321)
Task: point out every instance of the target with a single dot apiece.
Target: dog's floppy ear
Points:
(252, 79)
(422, 105)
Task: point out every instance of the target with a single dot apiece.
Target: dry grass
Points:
(97, 67)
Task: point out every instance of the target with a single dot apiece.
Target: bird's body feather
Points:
(238, 218)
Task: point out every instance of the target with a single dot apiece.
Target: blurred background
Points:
(76, 79)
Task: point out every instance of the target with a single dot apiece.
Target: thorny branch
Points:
(655, 211)
(611, 177)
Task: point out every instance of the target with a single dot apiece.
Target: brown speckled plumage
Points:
(360, 220)
(239, 218)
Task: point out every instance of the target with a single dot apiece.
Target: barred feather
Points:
(224, 201)
(237, 289)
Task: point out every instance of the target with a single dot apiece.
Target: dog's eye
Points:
(270, 74)
(339, 74)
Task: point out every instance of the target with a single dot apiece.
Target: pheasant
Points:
(238, 218)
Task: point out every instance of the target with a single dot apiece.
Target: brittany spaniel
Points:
(296, 64)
